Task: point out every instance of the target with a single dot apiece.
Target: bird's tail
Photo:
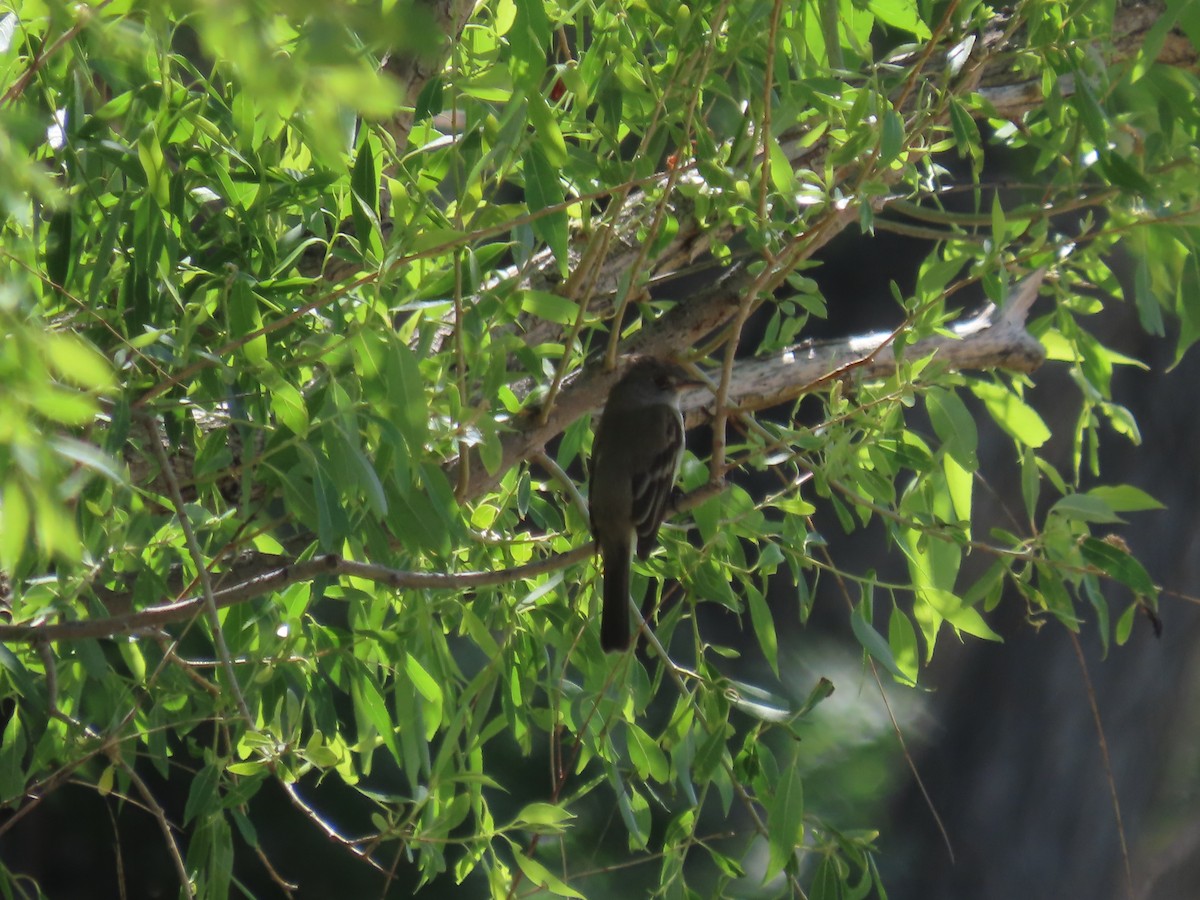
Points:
(614, 615)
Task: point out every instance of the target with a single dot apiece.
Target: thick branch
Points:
(412, 70)
(994, 339)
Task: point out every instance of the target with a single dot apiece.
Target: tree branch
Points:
(993, 339)
(276, 580)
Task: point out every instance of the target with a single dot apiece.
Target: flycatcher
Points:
(635, 458)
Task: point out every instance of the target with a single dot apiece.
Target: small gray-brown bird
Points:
(635, 459)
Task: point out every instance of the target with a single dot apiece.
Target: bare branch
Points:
(277, 579)
(328, 830)
(994, 339)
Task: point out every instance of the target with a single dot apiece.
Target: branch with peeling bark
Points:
(993, 339)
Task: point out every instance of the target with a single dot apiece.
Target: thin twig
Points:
(277, 579)
(157, 443)
(768, 84)
(663, 205)
(289, 888)
(84, 16)
(716, 465)
(164, 825)
(460, 356)
(908, 758)
(568, 485)
(119, 857)
(328, 830)
(1108, 770)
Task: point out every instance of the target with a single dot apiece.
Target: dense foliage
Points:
(295, 294)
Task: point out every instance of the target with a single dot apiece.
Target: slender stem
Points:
(764, 186)
(164, 826)
(157, 442)
(1108, 769)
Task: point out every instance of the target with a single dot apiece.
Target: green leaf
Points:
(1011, 413)
(764, 626)
(1149, 306)
(529, 35)
(551, 307)
(645, 754)
(1120, 565)
(60, 249)
(783, 178)
(950, 607)
(75, 360)
(414, 518)
(372, 711)
(406, 390)
(154, 164)
(709, 756)
(635, 813)
(543, 815)
(216, 836)
(960, 484)
(12, 757)
(785, 818)
(953, 425)
(1091, 589)
(872, 641)
(826, 882)
(962, 125)
(1031, 482)
(1125, 625)
(430, 690)
(203, 794)
(1085, 508)
(902, 639)
(1125, 498)
(15, 519)
(901, 14)
(131, 652)
(543, 192)
(541, 876)
(550, 138)
(891, 141)
(492, 85)
(364, 181)
(999, 223)
(821, 691)
(245, 320)
(288, 406)
(1093, 117)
